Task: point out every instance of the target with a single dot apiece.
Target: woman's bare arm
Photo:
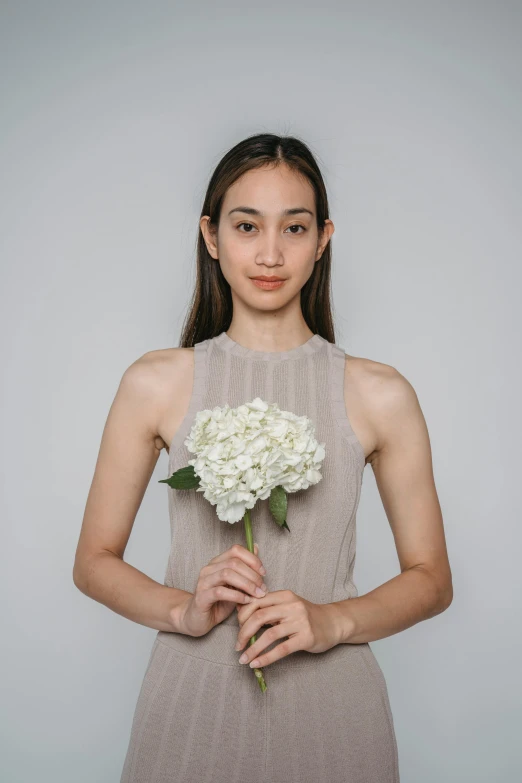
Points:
(129, 450)
(402, 464)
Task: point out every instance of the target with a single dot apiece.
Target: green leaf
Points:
(184, 478)
(278, 504)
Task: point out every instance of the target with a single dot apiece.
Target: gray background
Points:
(113, 117)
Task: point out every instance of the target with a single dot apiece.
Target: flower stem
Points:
(250, 546)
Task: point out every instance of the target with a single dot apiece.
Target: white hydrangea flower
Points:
(243, 453)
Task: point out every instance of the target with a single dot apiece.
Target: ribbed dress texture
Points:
(201, 716)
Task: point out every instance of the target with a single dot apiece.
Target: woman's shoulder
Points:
(369, 372)
(162, 380)
(381, 384)
(376, 394)
(162, 366)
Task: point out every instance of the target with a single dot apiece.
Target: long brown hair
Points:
(210, 310)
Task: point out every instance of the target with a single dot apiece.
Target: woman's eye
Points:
(251, 226)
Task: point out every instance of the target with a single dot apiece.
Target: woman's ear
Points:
(209, 236)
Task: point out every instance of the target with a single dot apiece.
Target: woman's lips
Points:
(268, 284)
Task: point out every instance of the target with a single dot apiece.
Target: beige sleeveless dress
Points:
(325, 717)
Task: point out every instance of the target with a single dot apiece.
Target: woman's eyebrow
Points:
(252, 211)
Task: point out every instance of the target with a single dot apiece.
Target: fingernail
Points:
(254, 663)
(262, 570)
(260, 592)
(243, 658)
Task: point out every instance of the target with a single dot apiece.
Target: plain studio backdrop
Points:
(113, 117)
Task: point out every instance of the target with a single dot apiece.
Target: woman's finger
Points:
(274, 615)
(242, 553)
(220, 592)
(256, 659)
(272, 598)
(235, 573)
(232, 575)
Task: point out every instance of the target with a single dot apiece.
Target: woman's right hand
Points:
(229, 579)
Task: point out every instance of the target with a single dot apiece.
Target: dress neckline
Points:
(305, 349)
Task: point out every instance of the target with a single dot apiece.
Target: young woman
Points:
(325, 716)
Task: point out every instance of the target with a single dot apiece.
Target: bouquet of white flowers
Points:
(249, 453)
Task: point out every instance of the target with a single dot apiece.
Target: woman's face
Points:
(258, 235)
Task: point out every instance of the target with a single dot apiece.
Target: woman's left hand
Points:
(311, 627)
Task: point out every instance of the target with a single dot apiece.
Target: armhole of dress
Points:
(338, 361)
(196, 399)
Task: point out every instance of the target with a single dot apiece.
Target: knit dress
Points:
(325, 717)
